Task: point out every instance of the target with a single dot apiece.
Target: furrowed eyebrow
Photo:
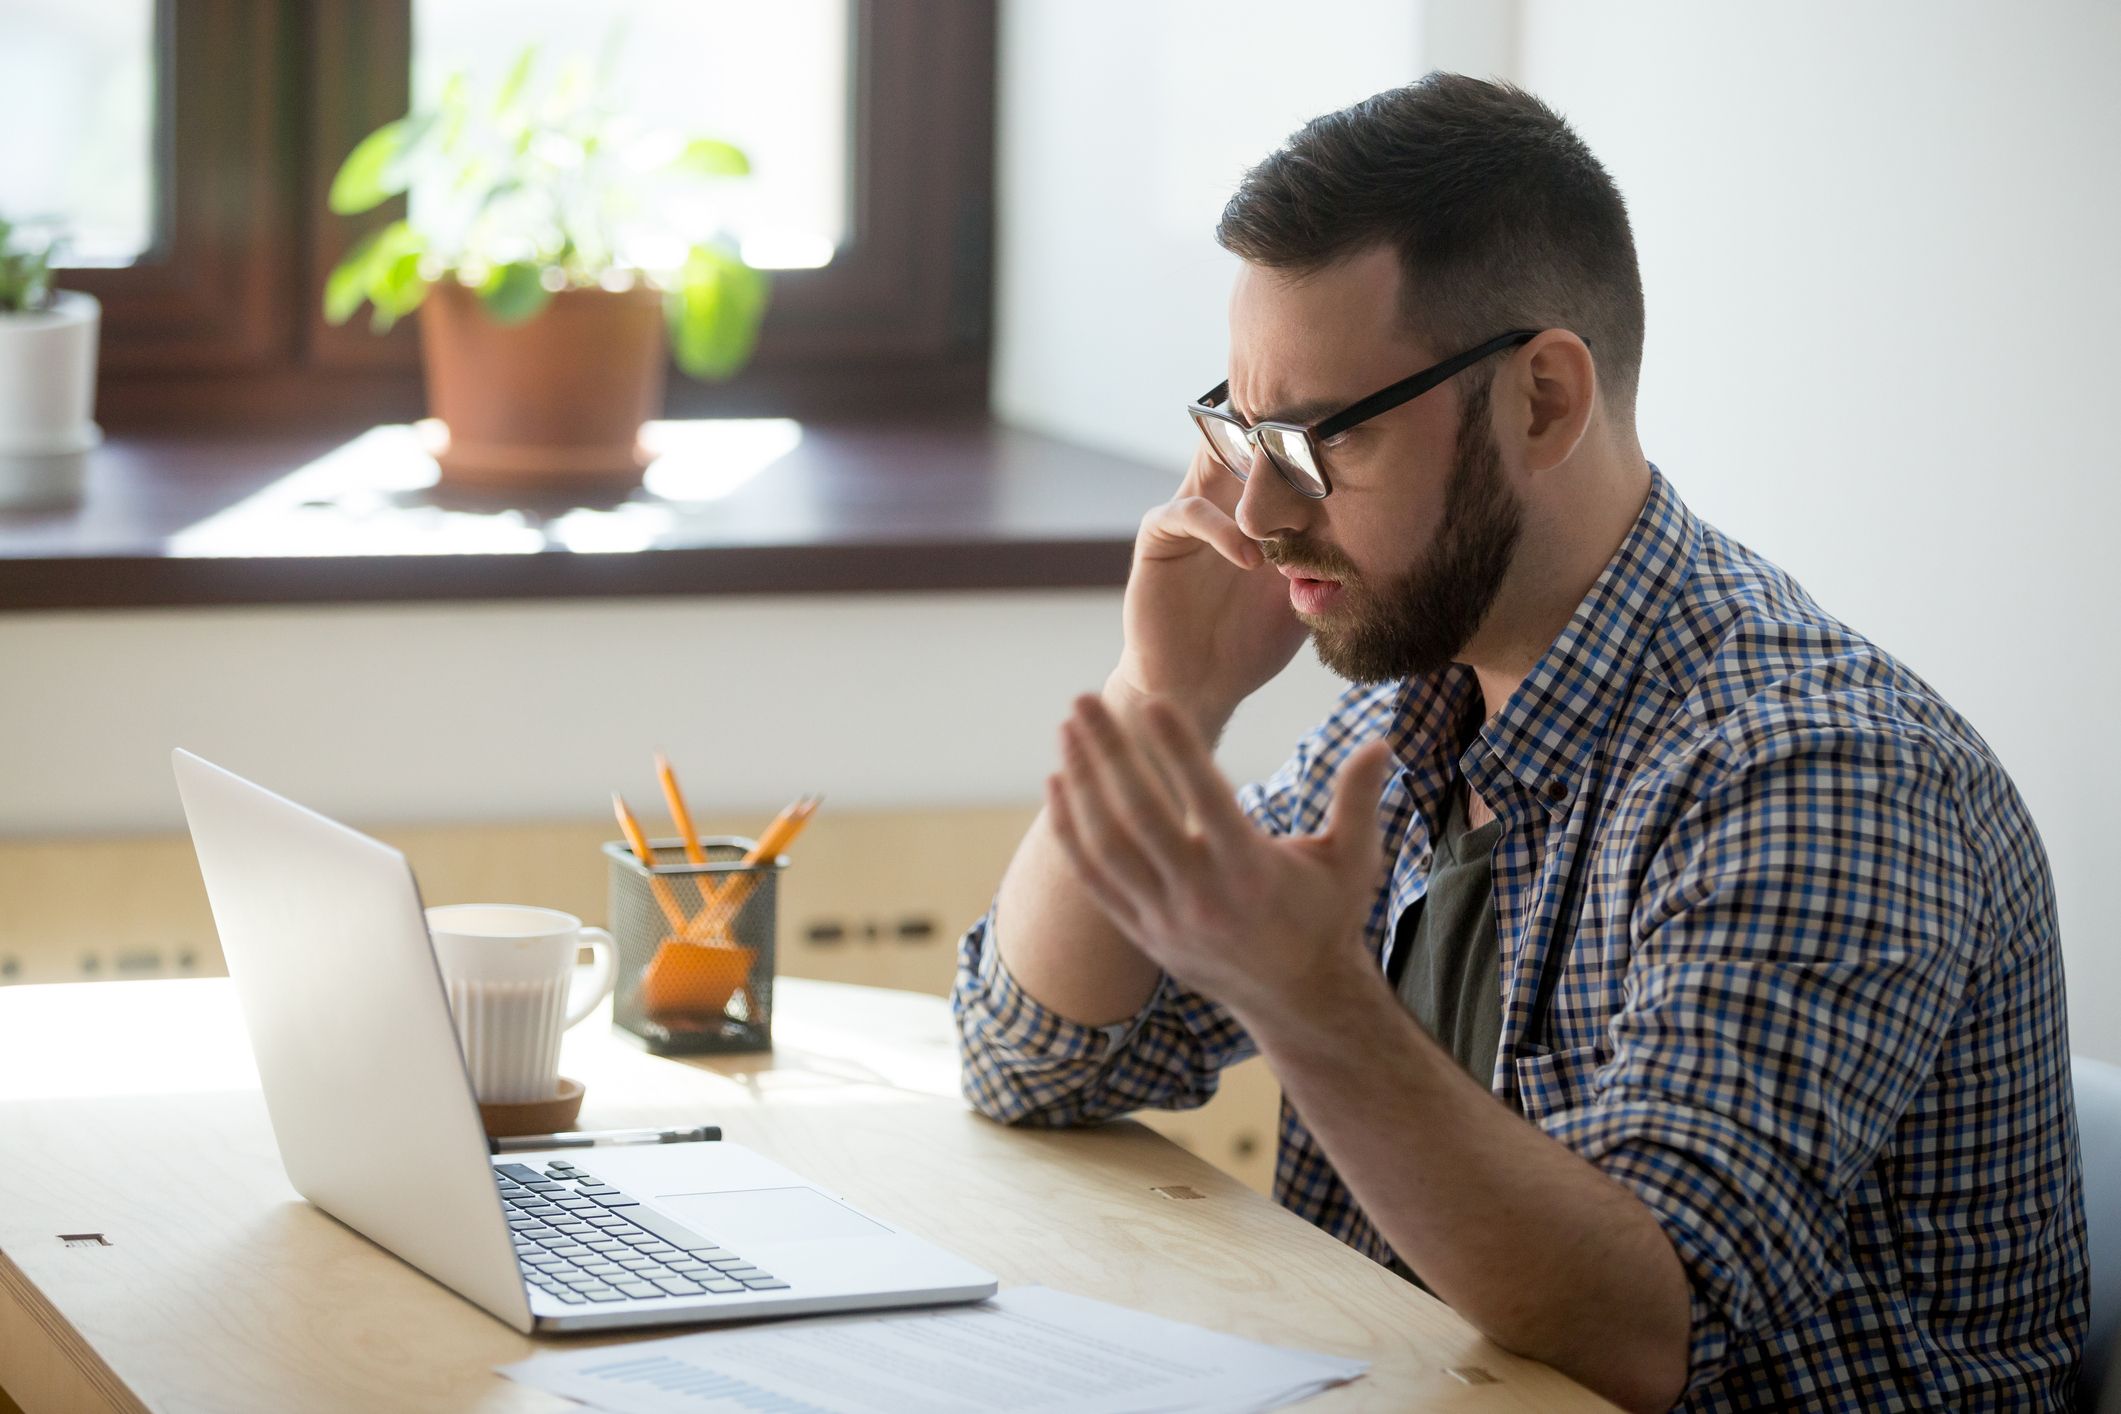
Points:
(1299, 412)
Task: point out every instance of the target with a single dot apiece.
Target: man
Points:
(1653, 967)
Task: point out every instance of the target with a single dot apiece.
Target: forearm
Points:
(1535, 1246)
(1056, 942)
(1059, 946)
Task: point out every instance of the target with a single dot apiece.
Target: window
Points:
(216, 126)
(770, 78)
(83, 78)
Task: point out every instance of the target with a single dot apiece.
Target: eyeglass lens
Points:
(1228, 443)
(1289, 451)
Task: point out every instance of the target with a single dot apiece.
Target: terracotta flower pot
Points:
(557, 398)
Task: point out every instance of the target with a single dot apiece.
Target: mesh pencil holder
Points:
(695, 945)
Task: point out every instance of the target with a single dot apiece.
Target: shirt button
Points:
(1557, 789)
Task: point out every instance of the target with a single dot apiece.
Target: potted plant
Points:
(47, 377)
(552, 246)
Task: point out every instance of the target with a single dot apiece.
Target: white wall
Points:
(1123, 128)
(1877, 243)
(539, 711)
(1878, 250)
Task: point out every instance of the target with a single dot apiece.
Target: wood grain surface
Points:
(130, 1110)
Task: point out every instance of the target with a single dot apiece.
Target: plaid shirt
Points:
(1812, 1012)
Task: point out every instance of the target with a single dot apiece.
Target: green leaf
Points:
(518, 75)
(347, 284)
(452, 111)
(371, 173)
(366, 267)
(714, 313)
(708, 157)
(397, 289)
(514, 292)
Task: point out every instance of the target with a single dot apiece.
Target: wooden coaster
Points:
(553, 1116)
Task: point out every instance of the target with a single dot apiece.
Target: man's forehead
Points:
(1304, 344)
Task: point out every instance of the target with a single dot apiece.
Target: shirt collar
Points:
(1431, 714)
(1546, 733)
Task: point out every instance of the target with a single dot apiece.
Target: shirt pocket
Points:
(1554, 1082)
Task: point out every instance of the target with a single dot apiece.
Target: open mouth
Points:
(1311, 596)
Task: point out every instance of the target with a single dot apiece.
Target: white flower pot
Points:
(47, 401)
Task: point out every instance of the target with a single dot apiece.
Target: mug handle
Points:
(583, 1000)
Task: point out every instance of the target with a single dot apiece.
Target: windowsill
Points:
(733, 507)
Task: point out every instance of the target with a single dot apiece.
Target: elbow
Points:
(1633, 1353)
(988, 1098)
(1648, 1378)
(982, 1103)
(992, 1097)
(1651, 1389)
(1643, 1379)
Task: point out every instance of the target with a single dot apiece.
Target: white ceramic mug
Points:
(514, 988)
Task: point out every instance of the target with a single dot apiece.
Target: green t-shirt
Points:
(1448, 974)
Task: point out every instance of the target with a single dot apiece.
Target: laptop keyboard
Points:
(585, 1241)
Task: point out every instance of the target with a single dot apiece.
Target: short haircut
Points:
(1501, 216)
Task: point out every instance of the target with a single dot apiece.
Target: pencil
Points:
(679, 815)
(723, 905)
(639, 844)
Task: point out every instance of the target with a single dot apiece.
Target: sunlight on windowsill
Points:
(381, 494)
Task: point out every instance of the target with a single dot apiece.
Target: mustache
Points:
(1311, 560)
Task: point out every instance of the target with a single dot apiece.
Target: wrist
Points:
(1311, 1020)
(1126, 698)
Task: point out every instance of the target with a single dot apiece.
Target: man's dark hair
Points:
(1501, 216)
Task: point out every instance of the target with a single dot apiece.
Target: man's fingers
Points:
(1138, 796)
(1207, 476)
(1351, 820)
(1103, 834)
(1183, 523)
(1190, 767)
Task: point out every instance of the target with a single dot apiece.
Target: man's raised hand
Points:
(1157, 840)
(1207, 620)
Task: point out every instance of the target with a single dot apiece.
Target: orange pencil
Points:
(639, 844)
(679, 815)
(782, 832)
(722, 907)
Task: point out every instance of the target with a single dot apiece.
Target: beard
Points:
(1423, 619)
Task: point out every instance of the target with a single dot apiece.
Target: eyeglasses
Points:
(1292, 447)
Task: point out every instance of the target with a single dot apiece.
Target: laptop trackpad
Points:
(766, 1215)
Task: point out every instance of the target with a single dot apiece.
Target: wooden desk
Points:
(131, 1110)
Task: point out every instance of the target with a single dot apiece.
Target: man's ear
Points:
(1554, 383)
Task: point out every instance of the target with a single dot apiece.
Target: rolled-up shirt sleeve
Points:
(1024, 1063)
(1802, 939)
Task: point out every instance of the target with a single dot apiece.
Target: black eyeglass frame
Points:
(1376, 404)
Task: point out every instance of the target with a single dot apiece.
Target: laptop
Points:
(373, 1112)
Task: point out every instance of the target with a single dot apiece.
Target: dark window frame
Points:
(208, 297)
(220, 325)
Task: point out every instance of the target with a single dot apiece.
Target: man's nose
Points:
(1268, 506)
